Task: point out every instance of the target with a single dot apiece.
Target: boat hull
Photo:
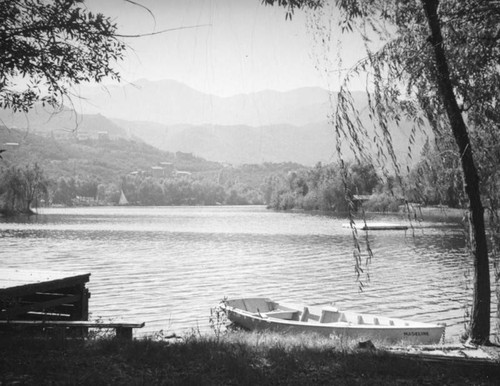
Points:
(401, 331)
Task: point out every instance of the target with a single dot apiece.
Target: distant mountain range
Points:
(45, 120)
(239, 144)
(171, 103)
(266, 126)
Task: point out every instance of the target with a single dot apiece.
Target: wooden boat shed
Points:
(53, 300)
(43, 295)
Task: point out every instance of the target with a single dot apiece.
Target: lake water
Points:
(168, 266)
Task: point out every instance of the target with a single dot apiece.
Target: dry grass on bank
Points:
(235, 358)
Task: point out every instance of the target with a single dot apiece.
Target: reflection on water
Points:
(167, 266)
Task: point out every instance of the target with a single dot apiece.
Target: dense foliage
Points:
(46, 47)
(150, 191)
(187, 190)
(433, 181)
(320, 188)
(436, 179)
(22, 187)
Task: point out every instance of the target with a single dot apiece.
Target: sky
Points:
(238, 46)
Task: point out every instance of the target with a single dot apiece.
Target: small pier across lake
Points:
(376, 226)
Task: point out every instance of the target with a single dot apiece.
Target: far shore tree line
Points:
(24, 188)
(435, 180)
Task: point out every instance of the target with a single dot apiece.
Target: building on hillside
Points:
(361, 197)
(83, 136)
(11, 145)
(140, 173)
(157, 172)
(168, 168)
(180, 173)
(103, 136)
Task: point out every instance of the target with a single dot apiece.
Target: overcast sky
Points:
(240, 46)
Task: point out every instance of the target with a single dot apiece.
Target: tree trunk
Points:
(27, 208)
(479, 326)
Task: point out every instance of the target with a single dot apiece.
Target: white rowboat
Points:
(264, 314)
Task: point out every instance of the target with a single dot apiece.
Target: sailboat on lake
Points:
(123, 199)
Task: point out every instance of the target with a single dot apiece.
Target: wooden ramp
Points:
(41, 295)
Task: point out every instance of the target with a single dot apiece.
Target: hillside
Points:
(108, 160)
(104, 159)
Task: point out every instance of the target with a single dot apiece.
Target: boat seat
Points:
(360, 320)
(376, 321)
(271, 306)
(282, 314)
(256, 305)
(305, 315)
(330, 315)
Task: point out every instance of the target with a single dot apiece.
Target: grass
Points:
(234, 358)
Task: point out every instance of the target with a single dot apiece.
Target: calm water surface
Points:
(168, 266)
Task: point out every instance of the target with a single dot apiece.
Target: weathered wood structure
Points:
(43, 295)
(50, 300)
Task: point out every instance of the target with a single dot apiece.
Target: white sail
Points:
(123, 199)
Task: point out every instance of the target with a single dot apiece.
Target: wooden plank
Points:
(41, 297)
(17, 310)
(40, 316)
(72, 323)
(66, 308)
(81, 307)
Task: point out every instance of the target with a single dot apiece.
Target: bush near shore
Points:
(236, 358)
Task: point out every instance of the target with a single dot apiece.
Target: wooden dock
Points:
(376, 226)
(50, 300)
(43, 295)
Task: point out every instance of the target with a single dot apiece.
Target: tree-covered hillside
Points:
(104, 159)
(73, 171)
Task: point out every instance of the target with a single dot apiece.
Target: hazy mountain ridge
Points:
(267, 126)
(169, 102)
(241, 144)
(46, 120)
